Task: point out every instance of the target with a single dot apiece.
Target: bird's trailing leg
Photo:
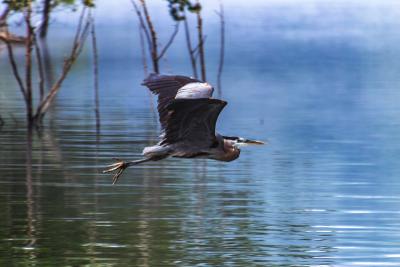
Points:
(120, 166)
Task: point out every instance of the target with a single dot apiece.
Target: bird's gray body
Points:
(223, 150)
(188, 116)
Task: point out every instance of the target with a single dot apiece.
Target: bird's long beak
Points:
(254, 142)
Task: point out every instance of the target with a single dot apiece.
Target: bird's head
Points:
(239, 142)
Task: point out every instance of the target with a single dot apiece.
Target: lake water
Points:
(319, 81)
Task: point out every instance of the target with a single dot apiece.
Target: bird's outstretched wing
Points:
(193, 121)
(169, 87)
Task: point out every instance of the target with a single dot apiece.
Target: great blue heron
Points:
(188, 116)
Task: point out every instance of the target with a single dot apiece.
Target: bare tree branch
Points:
(222, 48)
(83, 37)
(201, 44)
(147, 27)
(14, 66)
(171, 39)
(95, 73)
(190, 49)
(45, 18)
(144, 58)
(203, 40)
(143, 25)
(153, 34)
(146, 30)
(40, 68)
(68, 62)
(80, 22)
(28, 61)
(4, 15)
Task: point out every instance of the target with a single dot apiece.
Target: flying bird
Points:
(188, 116)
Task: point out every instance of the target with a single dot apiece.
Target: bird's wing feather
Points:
(166, 87)
(193, 121)
(195, 90)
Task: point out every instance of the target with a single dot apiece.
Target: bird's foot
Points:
(118, 168)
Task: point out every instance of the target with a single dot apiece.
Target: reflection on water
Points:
(325, 191)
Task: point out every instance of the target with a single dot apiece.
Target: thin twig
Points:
(14, 67)
(40, 67)
(83, 37)
(222, 48)
(142, 24)
(5, 13)
(95, 73)
(171, 39)
(201, 44)
(196, 51)
(145, 66)
(154, 50)
(144, 58)
(203, 40)
(47, 64)
(80, 22)
(28, 62)
(189, 46)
